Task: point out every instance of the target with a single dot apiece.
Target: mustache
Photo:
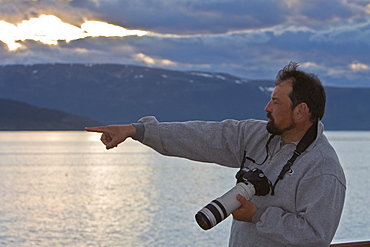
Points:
(269, 116)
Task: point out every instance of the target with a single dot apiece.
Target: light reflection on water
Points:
(73, 204)
(65, 189)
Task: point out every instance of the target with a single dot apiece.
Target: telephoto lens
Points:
(220, 208)
(249, 182)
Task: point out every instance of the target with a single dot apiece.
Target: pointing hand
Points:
(112, 135)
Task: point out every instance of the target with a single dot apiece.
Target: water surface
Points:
(65, 189)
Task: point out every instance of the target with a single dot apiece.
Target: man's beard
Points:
(274, 129)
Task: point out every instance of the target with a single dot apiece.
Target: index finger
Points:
(99, 129)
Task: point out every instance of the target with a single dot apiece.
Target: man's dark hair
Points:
(307, 88)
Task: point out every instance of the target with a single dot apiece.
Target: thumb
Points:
(242, 200)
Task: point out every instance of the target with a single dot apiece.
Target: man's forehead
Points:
(282, 89)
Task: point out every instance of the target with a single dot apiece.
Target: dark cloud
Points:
(15, 11)
(188, 17)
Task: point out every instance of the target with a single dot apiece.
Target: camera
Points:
(249, 182)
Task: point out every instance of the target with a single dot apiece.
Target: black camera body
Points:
(256, 177)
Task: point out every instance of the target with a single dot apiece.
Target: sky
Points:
(252, 39)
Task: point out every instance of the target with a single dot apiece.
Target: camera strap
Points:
(303, 144)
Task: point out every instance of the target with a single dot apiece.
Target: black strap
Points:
(304, 143)
(243, 161)
(267, 154)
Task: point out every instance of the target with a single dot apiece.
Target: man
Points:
(308, 192)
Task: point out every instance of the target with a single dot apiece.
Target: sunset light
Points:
(98, 28)
(49, 29)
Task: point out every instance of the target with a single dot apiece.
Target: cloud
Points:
(349, 31)
(358, 67)
(186, 17)
(153, 61)
(15, 11)
(49, 29)
(98, 28)
(220, 16)
(252, 39)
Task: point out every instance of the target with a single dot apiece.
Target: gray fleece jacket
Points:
(308, 202)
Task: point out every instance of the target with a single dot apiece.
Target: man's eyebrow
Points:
(274, 98)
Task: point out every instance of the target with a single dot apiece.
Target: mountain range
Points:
(114, 94)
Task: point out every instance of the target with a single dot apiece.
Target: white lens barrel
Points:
(222, 207)
(229, 201)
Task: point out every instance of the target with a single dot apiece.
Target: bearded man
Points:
(308, 191)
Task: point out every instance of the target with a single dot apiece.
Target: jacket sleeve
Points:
(319, 205)
(205, 141)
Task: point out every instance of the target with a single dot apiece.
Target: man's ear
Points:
(301, 110)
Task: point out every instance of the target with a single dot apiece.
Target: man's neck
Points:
(295, 134)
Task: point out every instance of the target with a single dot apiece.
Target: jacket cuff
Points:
(140, 132)
(257, 215)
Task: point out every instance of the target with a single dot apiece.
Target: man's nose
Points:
(268, 107)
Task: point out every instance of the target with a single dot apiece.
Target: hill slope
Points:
(15, 115)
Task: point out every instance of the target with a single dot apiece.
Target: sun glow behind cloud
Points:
(152, 61)
(49, 29)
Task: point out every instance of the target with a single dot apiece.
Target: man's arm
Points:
(222, 143)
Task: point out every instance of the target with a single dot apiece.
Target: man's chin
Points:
(272, 128)
(275, 130)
